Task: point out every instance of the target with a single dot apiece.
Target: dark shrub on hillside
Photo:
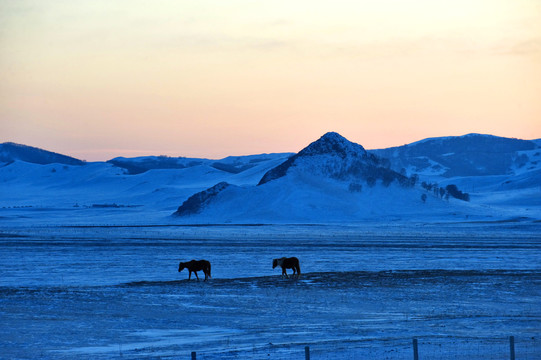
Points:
(454, 192)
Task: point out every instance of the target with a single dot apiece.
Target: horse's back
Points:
(292, 261)
(197, 265)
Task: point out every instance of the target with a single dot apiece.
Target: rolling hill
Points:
(330, 180)
(10, 152)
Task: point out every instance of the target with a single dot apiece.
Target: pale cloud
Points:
(521, 48)
(431, 46)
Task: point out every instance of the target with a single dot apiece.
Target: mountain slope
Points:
(335, 157)
(468, 155)
(330, 180)
(10, 152)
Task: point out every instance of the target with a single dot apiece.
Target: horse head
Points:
(181, 266)
(277, 262)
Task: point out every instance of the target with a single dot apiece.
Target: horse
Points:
(195, 266)
(287, 263)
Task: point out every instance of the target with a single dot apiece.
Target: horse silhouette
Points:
(195, 266)
(287, 263)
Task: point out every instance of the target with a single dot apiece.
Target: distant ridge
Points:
(467, 155)
(10, 152)
(230, 164)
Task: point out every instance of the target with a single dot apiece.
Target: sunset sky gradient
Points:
(211, 78)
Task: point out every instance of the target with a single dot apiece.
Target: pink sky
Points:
(99, 79)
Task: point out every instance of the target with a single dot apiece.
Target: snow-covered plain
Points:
(89, 256)
(114, 292)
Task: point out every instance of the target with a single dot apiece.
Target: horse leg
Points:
(197, 276)
(190, 275)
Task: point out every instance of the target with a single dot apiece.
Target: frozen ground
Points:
(114, 292)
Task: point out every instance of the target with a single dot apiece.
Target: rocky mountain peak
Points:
(333, 143)
(331, 155)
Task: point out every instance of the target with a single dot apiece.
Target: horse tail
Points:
(209, 268)
(298, 267)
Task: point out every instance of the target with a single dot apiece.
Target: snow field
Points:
(101, 293)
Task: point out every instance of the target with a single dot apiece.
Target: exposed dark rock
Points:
(195, 203)
(336, 157)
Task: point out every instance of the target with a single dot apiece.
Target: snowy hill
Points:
(231, 164)
(468, 155)
(495, 171)
(10, 152)
(330, 180)
(335, 157)
(101, 192)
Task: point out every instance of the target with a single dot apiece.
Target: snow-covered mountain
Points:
(330, 180)
(468, 155)
(10, 152)
(495, 171)
(335, 157)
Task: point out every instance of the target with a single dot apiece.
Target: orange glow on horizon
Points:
(96, 80)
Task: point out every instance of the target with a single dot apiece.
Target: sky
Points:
(211, 78)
